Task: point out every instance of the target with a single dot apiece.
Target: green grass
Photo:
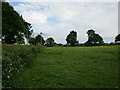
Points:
(72, 67)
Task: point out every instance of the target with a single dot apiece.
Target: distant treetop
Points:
(117, 38)
(93, 39)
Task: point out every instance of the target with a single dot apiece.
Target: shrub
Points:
(14, 58)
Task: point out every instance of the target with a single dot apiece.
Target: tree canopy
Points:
(14, 27)
(72, 38)
(38, 40)
(117, 38)
(50, 42)
(93, 39)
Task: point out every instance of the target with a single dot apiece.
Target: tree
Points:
(32, 41)
(112, 43)
(93, 39)
(50, 42)
(19, 39)
(117, 39)
(72, 38)
(39, 40)
(59, 44)
(14, 27)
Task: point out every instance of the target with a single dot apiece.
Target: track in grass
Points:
(72, 67)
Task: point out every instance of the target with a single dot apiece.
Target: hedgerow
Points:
(14, 59)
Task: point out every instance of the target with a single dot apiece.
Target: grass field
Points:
(72, 67)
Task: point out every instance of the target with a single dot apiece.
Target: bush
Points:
(14, 58)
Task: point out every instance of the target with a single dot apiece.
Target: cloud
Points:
(34, 17)
(62, 0)
(58, 19)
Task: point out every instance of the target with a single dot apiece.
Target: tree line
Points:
(15, 30)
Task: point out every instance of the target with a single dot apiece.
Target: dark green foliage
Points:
(112, 43)
(20, 39)
(72, 38)
(59, 44)
(50, 42)
(14, 27)
(14, 58)
(117, 39)
(81, 44)
(32, 41)
(94, 39)
(38, 40)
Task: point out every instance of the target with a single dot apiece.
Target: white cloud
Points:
(78, 16)
(62, 0)
(34, 17)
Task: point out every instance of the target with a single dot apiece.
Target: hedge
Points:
(14, 59)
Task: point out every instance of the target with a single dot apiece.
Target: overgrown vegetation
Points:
(14, 58)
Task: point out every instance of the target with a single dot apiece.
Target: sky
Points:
(57, 19)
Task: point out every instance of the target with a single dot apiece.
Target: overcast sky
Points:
(57, 19)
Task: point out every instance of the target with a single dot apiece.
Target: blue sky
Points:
(57, 19)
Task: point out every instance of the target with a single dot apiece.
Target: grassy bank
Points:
(14, 59)
(72, 67)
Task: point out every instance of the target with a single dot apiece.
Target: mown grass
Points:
(72, 67)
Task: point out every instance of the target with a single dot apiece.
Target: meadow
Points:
(71, 67)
